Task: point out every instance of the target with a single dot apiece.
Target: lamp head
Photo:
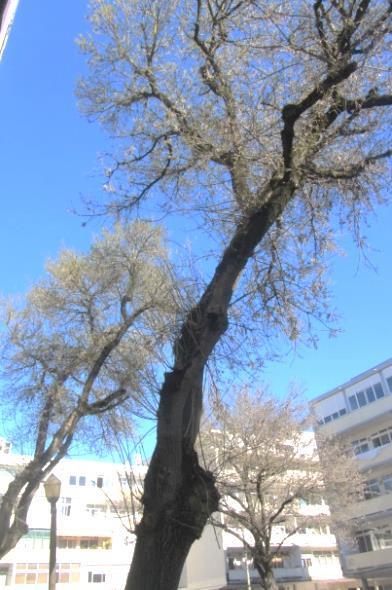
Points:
(52, 488)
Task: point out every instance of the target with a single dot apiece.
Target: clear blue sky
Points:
(48, 159)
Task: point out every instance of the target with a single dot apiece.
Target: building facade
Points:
(7, 15)
(94, 545)
(360, 411)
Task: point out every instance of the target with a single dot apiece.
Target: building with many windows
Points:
(94, 545)
(360, 411)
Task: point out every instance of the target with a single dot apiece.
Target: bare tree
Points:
(269, 119)
(267, 470)
(80, 346)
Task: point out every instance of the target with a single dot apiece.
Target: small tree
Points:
(81, 345)
(266, 466)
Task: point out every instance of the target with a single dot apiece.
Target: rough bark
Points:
(166, 543)
(267, 580)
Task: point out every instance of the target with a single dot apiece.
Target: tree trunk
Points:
(267, 580)
(163, 544)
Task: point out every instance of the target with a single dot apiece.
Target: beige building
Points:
(361, 412)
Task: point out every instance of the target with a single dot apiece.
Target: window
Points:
(360, 446)
(65, 506)
(370, 395)
(82, 480)
(381, 438)
(306, 562)
(389, 381)
(66, 543)
(96, 578)
(365, 542)
(37, 573)
(277, 561)
(72, 480)
(384, 537)
(362, 398)
(333, 416)
(372, 489)
(67, 573)
(387, 482)
(35, 539)
(96, 509)
(99, 481)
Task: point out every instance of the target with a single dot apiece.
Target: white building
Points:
(94, 546)
(361, 412)
(7, 14)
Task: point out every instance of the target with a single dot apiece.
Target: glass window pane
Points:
(379, 390)
(389, 381)
(82, 480)
(353, 402)
(361, 399)
(370, 395)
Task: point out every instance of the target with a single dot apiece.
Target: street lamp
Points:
(52, 491)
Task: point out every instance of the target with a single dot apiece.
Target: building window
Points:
(277, 561)
(96, 509)
(384, 537)
(372, 489)
(38, 573)
(306, 562)
(65, 506)
(35, 539)
(365, 542)
(387, 483)
(94, 578)
(381, 438)
(360, 446)
(334, 416)
(67, 573)
(389, 381)
(72, 480)
(66, 543)
(99, 481)
(82, 480)
(362, 398)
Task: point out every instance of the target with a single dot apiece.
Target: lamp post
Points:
(52, 491)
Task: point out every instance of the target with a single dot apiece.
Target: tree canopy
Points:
(83, 342)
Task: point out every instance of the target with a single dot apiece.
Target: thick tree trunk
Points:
(163, 544)
(267, 580)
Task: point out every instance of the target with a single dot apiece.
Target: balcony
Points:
(280, 574)
(358, 418)
(378, 562)
(374, 506)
